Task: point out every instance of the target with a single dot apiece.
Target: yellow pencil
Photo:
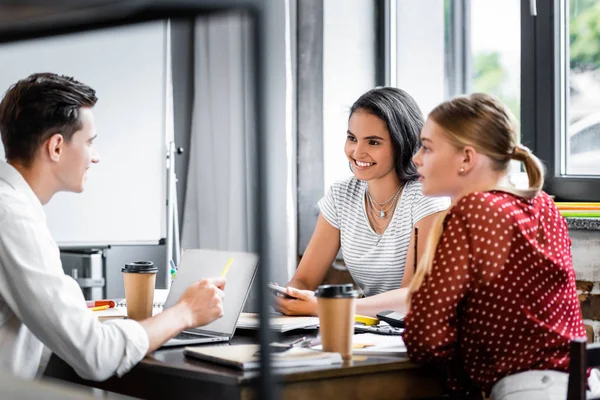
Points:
(224, 272)
(100, 308)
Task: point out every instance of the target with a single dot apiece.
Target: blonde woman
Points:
(493, 299)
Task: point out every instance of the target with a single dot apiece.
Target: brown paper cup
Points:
(336, 306)
(139, 278)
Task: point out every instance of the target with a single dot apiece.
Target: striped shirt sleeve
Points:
(425, 206)
(328, 208)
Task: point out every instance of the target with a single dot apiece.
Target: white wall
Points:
(348, 71)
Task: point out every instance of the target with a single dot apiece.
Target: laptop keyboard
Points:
(188, 336)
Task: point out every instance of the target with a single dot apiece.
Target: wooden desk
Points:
(168, 374)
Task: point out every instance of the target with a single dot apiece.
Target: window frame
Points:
(542, 81)
(458, 66)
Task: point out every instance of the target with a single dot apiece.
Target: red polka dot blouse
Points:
(501, 296)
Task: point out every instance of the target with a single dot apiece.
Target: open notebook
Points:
(160, 296)
(279, 323)
(245, 356)
(120, 309)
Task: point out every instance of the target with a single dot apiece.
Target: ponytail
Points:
(534, 169)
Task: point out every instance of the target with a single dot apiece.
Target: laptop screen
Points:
(198, 264)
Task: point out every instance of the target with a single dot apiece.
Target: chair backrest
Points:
(583, 356)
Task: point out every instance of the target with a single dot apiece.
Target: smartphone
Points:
(280, 291)
(393, 318)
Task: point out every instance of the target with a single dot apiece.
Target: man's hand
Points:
(305, 302)
(200, 304)
(202, 301)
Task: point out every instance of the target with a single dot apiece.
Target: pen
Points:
(416, 244)
(224, 272)
(295, 342)
(97, 303)
(100, 308)
(280, 347)
(173, 269)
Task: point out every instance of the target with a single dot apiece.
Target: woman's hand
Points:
(305, 302)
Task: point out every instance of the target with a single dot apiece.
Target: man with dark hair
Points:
(47, 128)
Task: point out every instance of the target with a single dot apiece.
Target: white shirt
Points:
(40, 305)
(376, 262)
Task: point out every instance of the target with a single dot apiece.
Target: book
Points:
(582, 210)
(278, 322)
(580, 213)
(577, 205)
(579, 208)
(246, 356)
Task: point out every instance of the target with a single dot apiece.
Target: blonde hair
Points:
(481, 121)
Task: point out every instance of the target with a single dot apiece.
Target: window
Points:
(561, 94)
(496, 50)
(581, 30)
(420, 48)
(464, 46)
(495, 57)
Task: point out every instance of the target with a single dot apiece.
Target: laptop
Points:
(197, 264)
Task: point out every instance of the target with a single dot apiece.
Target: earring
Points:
(461, 171)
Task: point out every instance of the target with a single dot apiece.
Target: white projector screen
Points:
(124, 201)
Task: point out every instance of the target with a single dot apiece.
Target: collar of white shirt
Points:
(14, 179)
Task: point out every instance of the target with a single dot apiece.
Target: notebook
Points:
(245, 356)
(111, 313)
(197, 264)
(580, 213)
(279, 323)
(160, 296)
(120, 309)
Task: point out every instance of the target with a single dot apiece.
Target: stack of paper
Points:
(279, 323)
(245, 356)
(376, 345)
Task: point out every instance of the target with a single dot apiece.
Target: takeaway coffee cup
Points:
(336, 305)
(139, 278)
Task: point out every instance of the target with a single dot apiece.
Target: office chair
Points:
(583, 356)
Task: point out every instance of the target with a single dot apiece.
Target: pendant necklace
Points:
(384, 207)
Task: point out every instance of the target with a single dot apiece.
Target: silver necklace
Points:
(383, 207)
(375, 223)
(388, 200)
(383, 211)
